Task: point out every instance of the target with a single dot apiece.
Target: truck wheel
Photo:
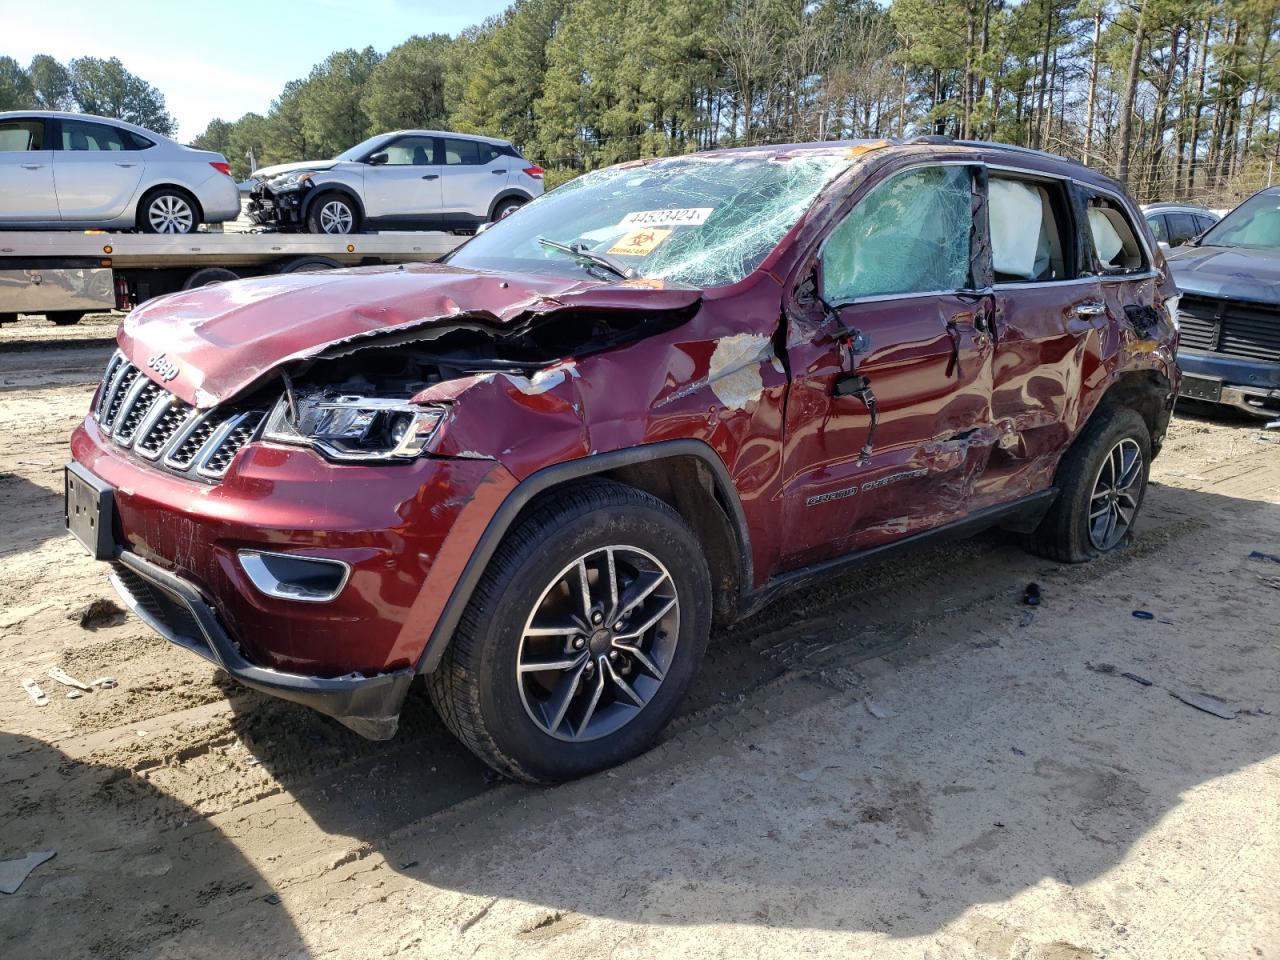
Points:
(308, 265)
(333, 213)
(8, 318)
(1102, 481)
(65, 318)
(208, 276)
(168, 210)
(581, 637)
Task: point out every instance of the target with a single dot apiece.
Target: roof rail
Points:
(1015, 149)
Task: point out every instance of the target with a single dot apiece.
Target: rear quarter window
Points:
(1113, 240)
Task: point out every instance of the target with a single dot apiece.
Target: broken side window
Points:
(910, 234)
(1115, 242)
(1028, 222)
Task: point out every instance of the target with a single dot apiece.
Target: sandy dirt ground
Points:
(903, 762)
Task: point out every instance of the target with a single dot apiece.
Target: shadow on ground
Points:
(179, 874)
(889, 835)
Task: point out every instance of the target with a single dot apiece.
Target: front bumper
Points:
(177, 611)
(405, 531)
(1250, 385)
(270, 209)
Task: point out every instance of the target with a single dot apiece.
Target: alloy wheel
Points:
(598, 643)
(336, 217)
(169, 213)
(1116, 490)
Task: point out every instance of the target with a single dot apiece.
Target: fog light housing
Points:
(289, 576)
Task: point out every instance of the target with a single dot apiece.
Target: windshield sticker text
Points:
(685, 217)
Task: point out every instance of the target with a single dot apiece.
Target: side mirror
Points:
(377, 159)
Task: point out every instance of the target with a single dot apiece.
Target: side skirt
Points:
(1024, 513)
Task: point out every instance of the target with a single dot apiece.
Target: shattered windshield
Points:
(698, 220)
(1255, 223)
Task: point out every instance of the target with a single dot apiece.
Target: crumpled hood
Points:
(1235, 272)
(266, 173)
(216, 341)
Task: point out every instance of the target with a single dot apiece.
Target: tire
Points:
(499, 711)
(65, 318)
(208, 277)
(308, 265)
(505, 208)
(8, 318)
(1067, 533)
(168, 210)
(333, 213)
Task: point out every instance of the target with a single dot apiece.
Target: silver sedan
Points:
(74, 171)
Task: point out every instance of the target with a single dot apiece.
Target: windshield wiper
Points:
(582, 255)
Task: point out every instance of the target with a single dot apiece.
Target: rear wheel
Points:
(333, 213)
(168, 210)
(1102, 482)
(506, 208)
(581, 638)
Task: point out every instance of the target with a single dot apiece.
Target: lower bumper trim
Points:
(176, 610)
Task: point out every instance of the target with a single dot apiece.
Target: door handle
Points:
(1091, 308)
(33, 166)
(497, 171)
(431, 176)
(119, 164)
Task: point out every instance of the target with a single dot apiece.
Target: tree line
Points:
(1178, 98)
(84, 85)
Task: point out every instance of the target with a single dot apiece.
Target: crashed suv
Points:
(666, 392)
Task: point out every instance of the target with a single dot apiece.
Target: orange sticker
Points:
(641, 243)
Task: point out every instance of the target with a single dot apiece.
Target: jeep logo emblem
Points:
(165, 368)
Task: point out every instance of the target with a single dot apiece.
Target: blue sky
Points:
(223, 58)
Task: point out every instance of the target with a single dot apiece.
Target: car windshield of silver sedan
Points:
(1255, 223)
(702, 221)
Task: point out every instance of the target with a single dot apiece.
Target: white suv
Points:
(408, 179)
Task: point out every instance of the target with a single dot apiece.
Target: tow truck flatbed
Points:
(65, 274)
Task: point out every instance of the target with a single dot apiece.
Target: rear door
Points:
(407, 186)
(1049, 320)
(896, 335)
(474, 173)
(26, 171)
(96, 169)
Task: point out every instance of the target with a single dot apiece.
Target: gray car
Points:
(406, 179)
(75, 171)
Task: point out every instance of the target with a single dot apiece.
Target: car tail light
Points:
(535, 172)
(221, 166)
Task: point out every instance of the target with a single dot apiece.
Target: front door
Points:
(96, 169)
(26, 172)
(405, 187)
(895, 336)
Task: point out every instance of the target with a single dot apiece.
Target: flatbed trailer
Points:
(65, 275)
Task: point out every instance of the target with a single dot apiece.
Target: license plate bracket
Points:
(1201, 388)
(90, 511)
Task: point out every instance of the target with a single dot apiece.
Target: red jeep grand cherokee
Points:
(650, 400)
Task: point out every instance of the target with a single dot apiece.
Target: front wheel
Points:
(582, 637)
(1102, 481)
(333, 213)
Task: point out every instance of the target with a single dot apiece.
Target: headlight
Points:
(290, 181)
(348, 427)
(1171, 307)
